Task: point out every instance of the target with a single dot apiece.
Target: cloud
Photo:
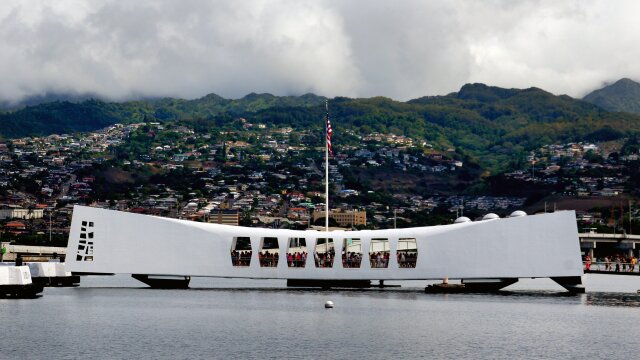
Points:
(568, 47)
(402, 50)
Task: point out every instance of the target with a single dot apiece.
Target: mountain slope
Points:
(623, 95)
(63, 117)
(488, 125)
(58, 117)
(491, 126)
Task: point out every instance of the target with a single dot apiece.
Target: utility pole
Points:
(533, 169)
(326, 167)
(613, 218)
(624, 230)
(630, 217)
(50, 211)
(394, 218)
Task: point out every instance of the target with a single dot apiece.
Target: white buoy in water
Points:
(328, 305)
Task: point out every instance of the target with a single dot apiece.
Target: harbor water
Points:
(119, 318)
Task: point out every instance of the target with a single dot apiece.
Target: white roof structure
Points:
(491, 216)
(518, 213)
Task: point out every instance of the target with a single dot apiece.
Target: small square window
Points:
(269, 252)
(324, 253)
(241, 251)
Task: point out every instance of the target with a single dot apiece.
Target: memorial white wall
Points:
(106, 241)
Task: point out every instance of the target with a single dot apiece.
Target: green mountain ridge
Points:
(67, 117)
(623, 95)
(491, 126)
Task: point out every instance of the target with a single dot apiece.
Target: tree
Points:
(321, 222)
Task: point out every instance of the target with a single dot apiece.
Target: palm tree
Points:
(30, 217)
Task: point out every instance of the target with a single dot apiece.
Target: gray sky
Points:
(399, 49)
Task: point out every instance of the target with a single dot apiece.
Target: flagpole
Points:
(326, 170)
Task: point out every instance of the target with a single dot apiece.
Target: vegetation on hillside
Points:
(623, 95)
(491, 126)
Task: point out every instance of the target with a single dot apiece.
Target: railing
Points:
(322, 262)
(408, 263)
(611, 266)
(623, 236)
(268, 262)
(351, 263)
(296, 263)
(379, 263)
(241, 259)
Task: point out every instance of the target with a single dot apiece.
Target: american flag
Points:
(329, 130)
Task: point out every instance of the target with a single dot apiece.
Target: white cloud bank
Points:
(405, 49)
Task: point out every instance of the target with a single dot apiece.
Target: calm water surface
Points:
(116, 318)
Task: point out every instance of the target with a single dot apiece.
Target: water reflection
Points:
(589, 299)
(612, 299)
(410, 291)
(541, 297)
(548, 297)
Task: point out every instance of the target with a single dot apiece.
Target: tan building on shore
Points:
(225, 217)
(344, 218)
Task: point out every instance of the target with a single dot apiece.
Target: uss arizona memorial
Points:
(490, 254)
(494, 251)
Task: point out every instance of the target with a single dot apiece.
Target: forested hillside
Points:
(623, 95)
(492, 126)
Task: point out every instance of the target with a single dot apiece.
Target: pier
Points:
(613, 246)
(598, 245)
(33, 253)
(609, 267)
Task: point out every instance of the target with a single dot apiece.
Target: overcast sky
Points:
(399, 49)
